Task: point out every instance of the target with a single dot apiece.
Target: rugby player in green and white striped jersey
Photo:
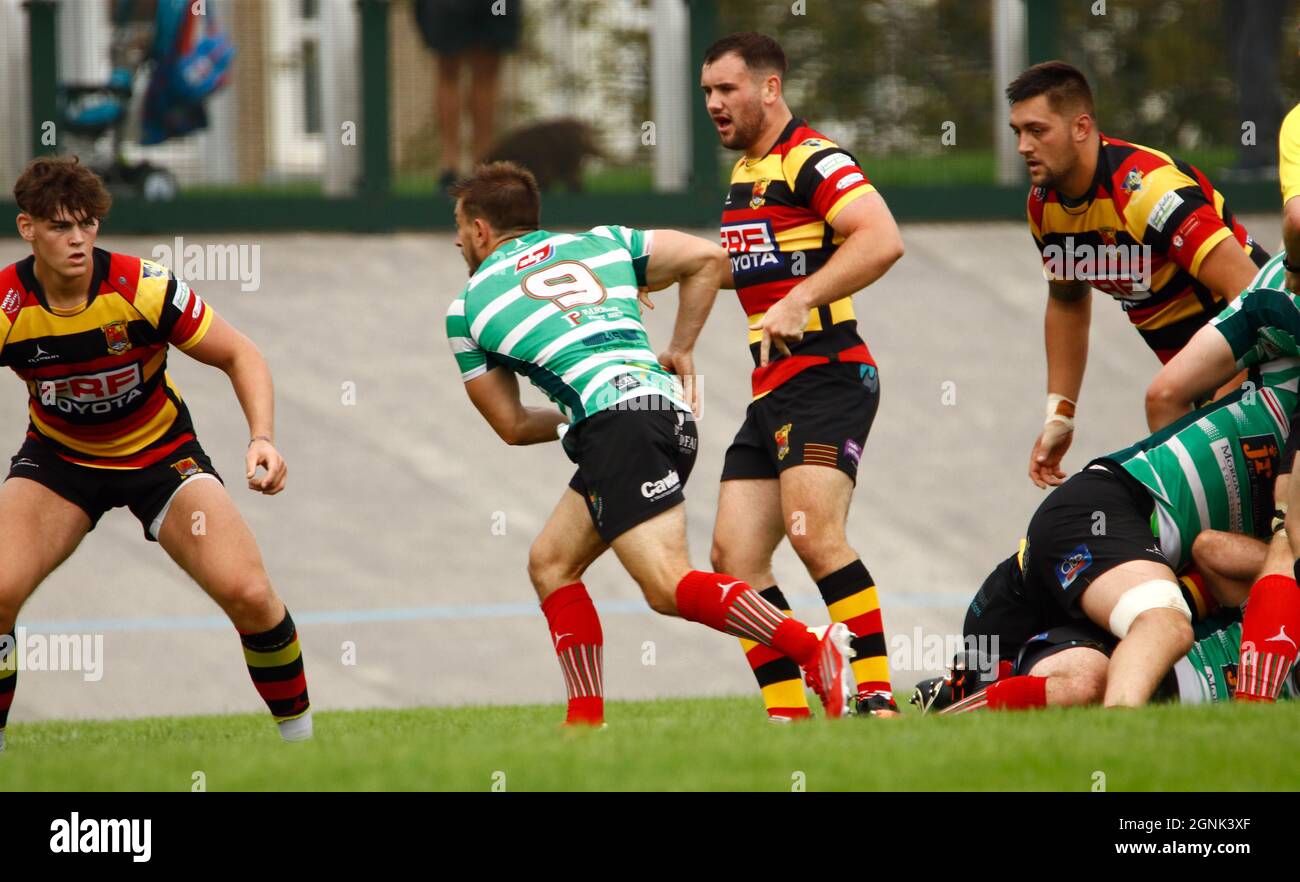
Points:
(1101, 552)
(1262, 323)
(562, 309)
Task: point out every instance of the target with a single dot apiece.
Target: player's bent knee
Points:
(1156, 596)
(248, 599)
(822, 551)
(548, 569)
(661, 601)
(1176, 627)
(1081, 688)
(718, 559)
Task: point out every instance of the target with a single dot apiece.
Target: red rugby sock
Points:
(727, 604)
(1269, 631)
(579, 645)
(1012, 693)
(1015, 693)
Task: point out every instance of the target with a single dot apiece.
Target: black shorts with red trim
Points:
(820, 416)
(146, 491)
(633, 461)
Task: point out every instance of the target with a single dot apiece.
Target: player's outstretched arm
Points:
(1066, 325)
(238, 357)
(697, 266)
(1199, 368)
(496, 395)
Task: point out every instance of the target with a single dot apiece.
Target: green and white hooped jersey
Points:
(1263, 322)
(1214, 468)
(561, 309)
(1208, 673)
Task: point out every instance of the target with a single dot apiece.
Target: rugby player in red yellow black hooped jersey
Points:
(805, 229)
(88, 331)
(1133, 222)
(96, 375)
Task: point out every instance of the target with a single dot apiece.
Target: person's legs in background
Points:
(448, 115)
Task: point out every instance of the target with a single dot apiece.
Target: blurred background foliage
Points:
(1160, 70)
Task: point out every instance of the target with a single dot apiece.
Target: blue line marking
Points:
(443, 612)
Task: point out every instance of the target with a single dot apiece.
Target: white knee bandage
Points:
(1156, 594)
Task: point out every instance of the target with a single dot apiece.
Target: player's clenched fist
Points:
(263, 453)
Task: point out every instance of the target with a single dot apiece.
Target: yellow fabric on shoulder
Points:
(151, 293)
(1289, 155)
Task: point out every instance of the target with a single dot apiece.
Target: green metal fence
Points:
(379, 205)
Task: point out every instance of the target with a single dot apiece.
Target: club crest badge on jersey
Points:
(534, 257)
(758, 198)
(1132, 181)
(187, 466)
(115, 334)
(1075, 563)
(782, 436)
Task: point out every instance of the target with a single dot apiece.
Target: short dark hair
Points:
(504, 194)
(50, 183)
(758, 51)
(1062, 83)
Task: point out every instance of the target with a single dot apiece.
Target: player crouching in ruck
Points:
(88, 331)
(1095, 576)
(562, 310)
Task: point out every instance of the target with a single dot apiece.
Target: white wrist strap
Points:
(1060, 410)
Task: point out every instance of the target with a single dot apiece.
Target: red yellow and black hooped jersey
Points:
(776, 226)
(1140, 234)
(96, 375)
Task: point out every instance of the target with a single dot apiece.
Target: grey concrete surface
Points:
(384, 539)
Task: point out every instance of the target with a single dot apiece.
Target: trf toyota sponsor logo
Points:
(743, 238)
(658, 489)
(93, 393)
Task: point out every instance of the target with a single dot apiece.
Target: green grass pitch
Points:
(679, 744)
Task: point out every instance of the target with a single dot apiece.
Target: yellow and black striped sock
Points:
(850, 596)
(778, 676)
(274, 660)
